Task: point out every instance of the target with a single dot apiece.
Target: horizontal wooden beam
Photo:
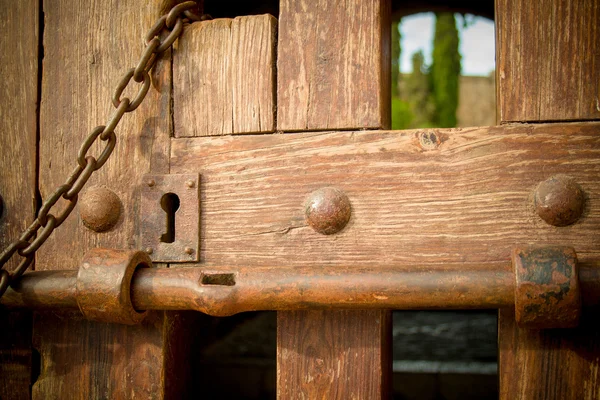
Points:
(433, 196)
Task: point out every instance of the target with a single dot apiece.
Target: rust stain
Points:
(327, 210)
(559, 200)
(547, 291)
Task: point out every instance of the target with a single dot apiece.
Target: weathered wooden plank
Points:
(78, 80)
(548, 69)
(548, 64)
(19, 27)
(333, 65)
(87, 48)
(225, 74)
(552, 364)
(466, 201)
(333, 354)
(15, 355)
(333, 72)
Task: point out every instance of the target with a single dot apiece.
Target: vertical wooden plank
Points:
(333, 65)
(223, 82)
(548, 64)
(548, 69)
(15, 355)
(19, 27)
(333, 71)
(553, 364)
(225, 74)
(333, 354)
(81, 67)
(88, 46)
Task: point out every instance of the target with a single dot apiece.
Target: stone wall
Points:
(477, 101)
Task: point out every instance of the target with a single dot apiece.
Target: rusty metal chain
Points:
(158, 39)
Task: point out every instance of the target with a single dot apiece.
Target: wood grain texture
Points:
(333, 72)
(333, 65)
(88, 360)
(78, 80)
(468, 201)
(333, 354)
(18, 66)
(88, 47)
(548, 64)
(19, 27)
(225, 74)
(548, 69)
(16, 359)
(552, 364)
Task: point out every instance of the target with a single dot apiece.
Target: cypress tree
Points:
(445, 70)
(418, 94)
(401, 115)
(395, 56)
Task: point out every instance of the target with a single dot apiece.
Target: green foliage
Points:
(445, 70)
(395, 56)
(417, 93)
(402, 116)
(429, 96)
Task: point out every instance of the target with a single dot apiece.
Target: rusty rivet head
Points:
(559, 200)
(327, 210)
(151, 182)
(100, 209)
(190, 183)
(149, 250)
(189, 250)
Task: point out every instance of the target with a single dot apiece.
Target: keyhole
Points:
(170, 204)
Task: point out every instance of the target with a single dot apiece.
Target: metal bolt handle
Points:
(545, 285)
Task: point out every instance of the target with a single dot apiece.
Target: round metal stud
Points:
(559, 200)
(327, 210)
(100, 209)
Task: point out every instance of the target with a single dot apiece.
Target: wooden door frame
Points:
(544, 73)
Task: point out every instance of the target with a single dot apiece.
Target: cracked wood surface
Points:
(19, 26)
(333, 72)
(333, 65)
(466, 201)
(88, 47)
(225, 74)
(549, 69)
(548, 63)
(333, 354)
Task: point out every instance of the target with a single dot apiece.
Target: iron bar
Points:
(223, 291)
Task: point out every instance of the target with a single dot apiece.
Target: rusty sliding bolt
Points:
(543, 284)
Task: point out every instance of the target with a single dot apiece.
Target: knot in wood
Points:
(327, 210)
(559, 200)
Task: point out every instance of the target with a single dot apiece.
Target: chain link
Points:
(169, 26)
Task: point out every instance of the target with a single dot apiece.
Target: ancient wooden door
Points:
(267, 109)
